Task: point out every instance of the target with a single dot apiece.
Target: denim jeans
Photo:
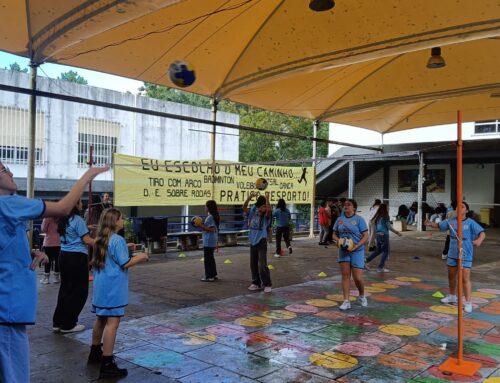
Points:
(258, 264)
(382, 248)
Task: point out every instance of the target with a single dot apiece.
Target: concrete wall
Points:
(140, 135)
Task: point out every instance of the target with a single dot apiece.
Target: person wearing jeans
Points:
(382, 227)
(282, 216)
(259, 217)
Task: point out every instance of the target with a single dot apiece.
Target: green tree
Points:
(174, 95)
(255, 146)
(15, 67)
(73, 76)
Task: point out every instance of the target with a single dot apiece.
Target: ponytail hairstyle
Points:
(213, 211)
(107, 227)
(281, 204)
(382, 212)
(63, 222)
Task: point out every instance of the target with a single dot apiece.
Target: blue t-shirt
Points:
(282, 217)
(72, 241)
(383, 225)
(470, 231)
(111, 282)
(257, 226)
(350, 227)
(210, 238)
(18, 290)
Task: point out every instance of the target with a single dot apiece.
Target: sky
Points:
(99, 79)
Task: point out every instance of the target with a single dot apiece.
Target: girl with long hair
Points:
(472, 235)
(73, 266)
(382, 225)
(210, 230)
(282, 216)
(110, 263)
(351, 233)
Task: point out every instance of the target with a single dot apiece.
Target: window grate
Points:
(14, 136)
(102, 135)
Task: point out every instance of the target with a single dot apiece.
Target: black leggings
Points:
(53, 254)
(283, 231)
(73, 290)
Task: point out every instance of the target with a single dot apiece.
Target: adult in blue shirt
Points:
(74, 269)
(282, 217)
(17, 275)
(350, 226)
(472, 235)
(259, 217)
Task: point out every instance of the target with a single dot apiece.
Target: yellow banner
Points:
(141, 181)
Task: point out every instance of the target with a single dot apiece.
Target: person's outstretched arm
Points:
(245, 205)
(63, 207)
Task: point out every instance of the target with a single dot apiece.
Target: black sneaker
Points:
(95, 355)
(290, 251)
(109, 369)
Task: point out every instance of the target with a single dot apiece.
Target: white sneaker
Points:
(57, 278)
(468, 307)
(384, 270)
(77, 328)
(268, 289)
(449, 299)
(253, 287)
(362, 299)
(45, 279)
(444, 256)
(345, 306)
(276, 255)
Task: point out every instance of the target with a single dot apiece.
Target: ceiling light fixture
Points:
(436, 61)
(321, 5)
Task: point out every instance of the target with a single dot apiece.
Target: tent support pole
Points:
(313, 200)
(458, 365)
(213, 139)
(420, 192)
(30, 180)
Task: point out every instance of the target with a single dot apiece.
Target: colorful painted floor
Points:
(298, 334)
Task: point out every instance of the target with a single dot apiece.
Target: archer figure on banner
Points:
(303, 176)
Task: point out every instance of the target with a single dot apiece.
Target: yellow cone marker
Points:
(182, 255)
(271, 267)
(322, 274)
(228, 262)
(438, 294)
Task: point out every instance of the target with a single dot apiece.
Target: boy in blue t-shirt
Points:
(17, 265)
(472, 235)
(259, 218)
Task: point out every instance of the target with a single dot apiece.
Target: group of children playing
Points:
(111, 260)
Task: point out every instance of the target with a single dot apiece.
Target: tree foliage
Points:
(255, 146)
(73, 76)
(15, 67)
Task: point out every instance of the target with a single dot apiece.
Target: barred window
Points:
(14, 135)
(101, 135)
(485, 127)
